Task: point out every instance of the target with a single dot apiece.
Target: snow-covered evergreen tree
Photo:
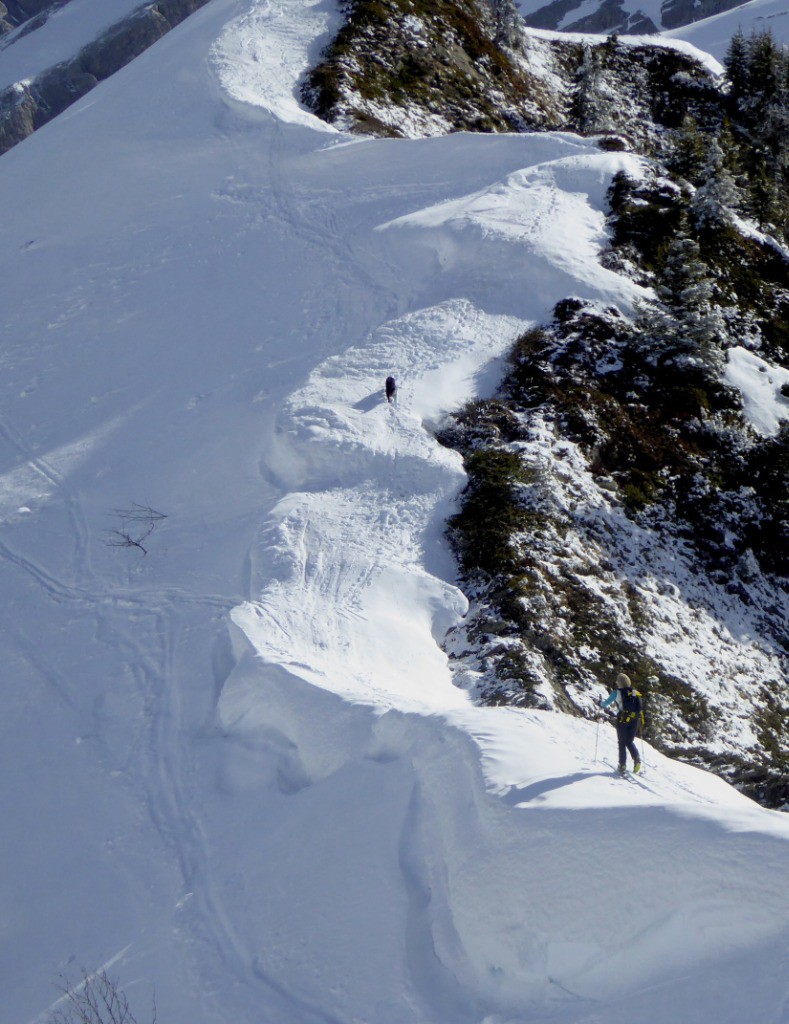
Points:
(758, 73)
(592, 103)
(764, 75)
(689, 153)
(715, 201)
(508, 22)
(765, 200)
(685, 325)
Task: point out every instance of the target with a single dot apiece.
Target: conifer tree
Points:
(591, 101)
(718, 197)
(758, 71)
(686, 325)
(736, 64)
(765, 63)
(689, 156)
(764, 197)
(508, 22)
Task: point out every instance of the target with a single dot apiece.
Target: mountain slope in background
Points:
(672, 16)
(714, 34)
(60, 54)
(237, 769)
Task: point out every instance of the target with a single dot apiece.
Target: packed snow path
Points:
(240, 770)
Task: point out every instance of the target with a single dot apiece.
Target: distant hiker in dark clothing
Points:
(391, 389)
(629, 715)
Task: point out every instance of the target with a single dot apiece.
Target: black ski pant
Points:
(626, 733)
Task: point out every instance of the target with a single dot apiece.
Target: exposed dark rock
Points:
(611, 16)
(685, 12)
(620, 16)
(17, 119)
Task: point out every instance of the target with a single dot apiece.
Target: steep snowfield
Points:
(714, 34)
(236, 768)
(25, 53)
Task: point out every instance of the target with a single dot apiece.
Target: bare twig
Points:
(139, 514)
(123, 539)
(134, 521)
(96, 999)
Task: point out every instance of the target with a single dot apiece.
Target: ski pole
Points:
(596, 735)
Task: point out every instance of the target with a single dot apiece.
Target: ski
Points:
(627, 773)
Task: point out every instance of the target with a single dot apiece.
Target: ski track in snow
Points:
(356, 842)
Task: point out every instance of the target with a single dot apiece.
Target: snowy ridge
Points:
(500, 904)
(346, 598)
(679, 39)
(539, 210)
(303, 819)
(348, 607)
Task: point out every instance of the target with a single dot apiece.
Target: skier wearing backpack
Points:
(629, 715)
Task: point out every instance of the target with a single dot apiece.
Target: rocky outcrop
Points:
(397, 70)
(683, 12)
(610, 16)
(27, 106)
(17, 120)
(400, 67)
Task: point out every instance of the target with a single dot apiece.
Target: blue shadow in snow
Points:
(370, 401)
(522, 794)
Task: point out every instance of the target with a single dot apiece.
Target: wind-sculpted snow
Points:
(347, 599)
(538, 233)
(262, 56)
(237, 768)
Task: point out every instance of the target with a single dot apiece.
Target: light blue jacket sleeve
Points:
(609, 699)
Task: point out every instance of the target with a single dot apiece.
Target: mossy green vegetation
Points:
(493, 512)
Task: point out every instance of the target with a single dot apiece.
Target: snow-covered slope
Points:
(25, 53)
(674, 20)
(714, 34)
(236, 768)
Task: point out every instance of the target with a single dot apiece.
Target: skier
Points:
(629, 715)
(391, 389)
